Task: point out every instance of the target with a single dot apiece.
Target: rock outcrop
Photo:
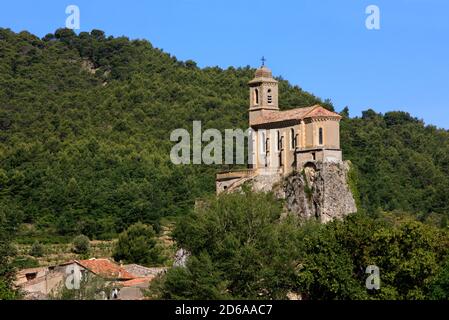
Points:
(320, 191)
(181, 258)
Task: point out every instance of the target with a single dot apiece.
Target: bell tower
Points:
(263, 91)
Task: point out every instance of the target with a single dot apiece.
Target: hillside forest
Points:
(85, 123)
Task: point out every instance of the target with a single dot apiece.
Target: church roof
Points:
(315, 111)
(263, 74)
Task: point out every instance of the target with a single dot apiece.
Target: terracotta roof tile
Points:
(295, 114)
(322, 112)
(138, 281)
(106, 268)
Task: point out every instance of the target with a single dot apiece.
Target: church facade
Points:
(283, 141)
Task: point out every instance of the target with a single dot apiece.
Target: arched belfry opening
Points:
(256, 96)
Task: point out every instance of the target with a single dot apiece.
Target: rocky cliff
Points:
(320, 191)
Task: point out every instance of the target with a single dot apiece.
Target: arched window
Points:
(269, 97)
(278, 139)
(263, 143)
(267, 152)
(292, 139)
(281, 149)
(256, 96)
(320, 137)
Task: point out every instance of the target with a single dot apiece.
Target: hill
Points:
(85, 122)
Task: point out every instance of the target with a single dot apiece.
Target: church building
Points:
(283, 141)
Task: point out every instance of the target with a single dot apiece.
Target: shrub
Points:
(37, 249)
(81, 244)
(138, 245)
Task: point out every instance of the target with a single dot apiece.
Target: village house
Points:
(134, 289)
(283, 141)
(129, 281)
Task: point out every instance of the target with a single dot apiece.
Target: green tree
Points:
(326, 269)
(8, 224)
(81, 244)
(138, 244)
(238, 239)
(439, 288)
(200, 280)
(408, 256)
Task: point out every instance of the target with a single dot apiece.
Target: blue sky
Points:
(321, 45)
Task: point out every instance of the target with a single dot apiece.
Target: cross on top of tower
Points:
(263, 61)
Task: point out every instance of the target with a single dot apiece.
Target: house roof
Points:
(141, 271)
(106, 268)
(315, 111)
(138, 282)
(24, 272)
